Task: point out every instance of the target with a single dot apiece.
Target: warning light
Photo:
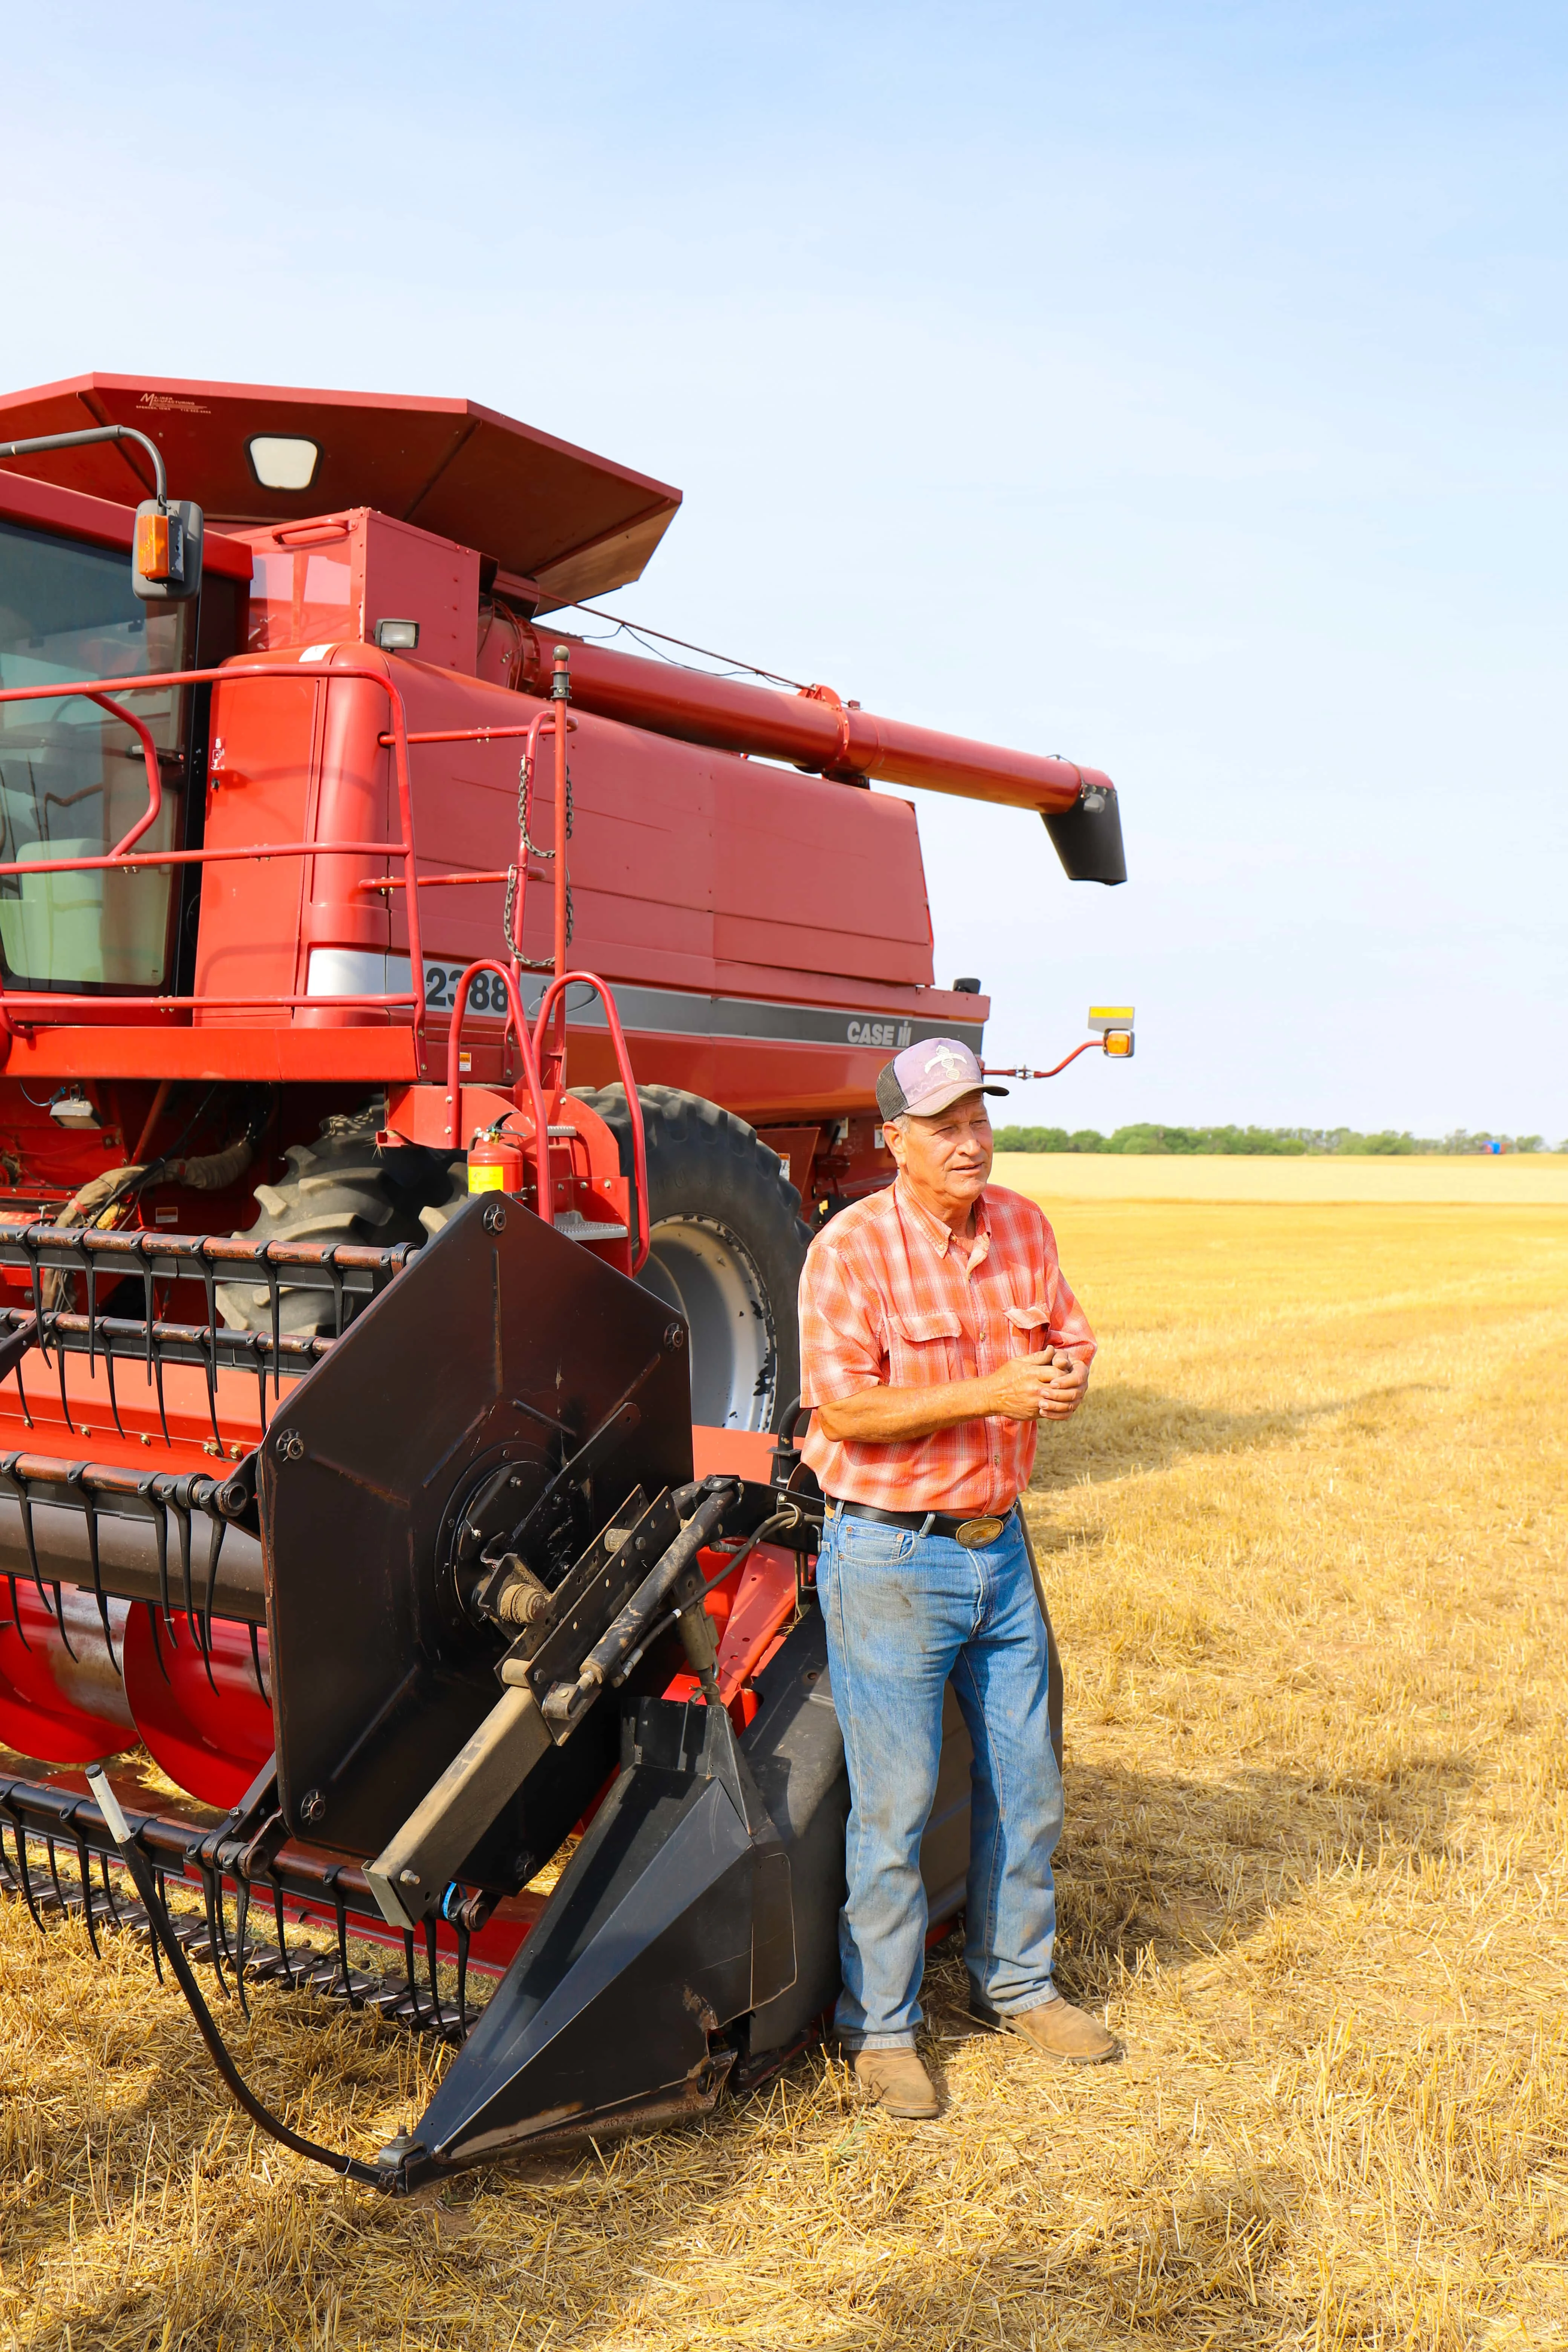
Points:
(1114, 1025)
(166, 551)
(155, 533)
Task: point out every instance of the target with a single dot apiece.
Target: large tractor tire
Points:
(727, 1244)
(338, 1189)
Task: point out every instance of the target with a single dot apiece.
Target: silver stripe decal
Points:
(658, 1011)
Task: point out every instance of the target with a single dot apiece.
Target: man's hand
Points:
(1046, 1386)
(1036, 1388)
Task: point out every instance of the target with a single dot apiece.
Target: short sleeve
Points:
(841, 1346)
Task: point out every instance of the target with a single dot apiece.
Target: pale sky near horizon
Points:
(1176, 387)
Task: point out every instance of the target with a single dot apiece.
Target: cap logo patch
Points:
(927, 1077)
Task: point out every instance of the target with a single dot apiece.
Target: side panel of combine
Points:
(261, 765)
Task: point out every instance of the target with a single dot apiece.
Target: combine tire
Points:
(338, 1188)
(727, 1247)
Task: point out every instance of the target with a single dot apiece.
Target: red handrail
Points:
(155, 780)
(542, 1185)
(560, 695)
(517, 878)
(469, 734)
(112, 857)
(640, 1229)
(441, 881)
(100, 690)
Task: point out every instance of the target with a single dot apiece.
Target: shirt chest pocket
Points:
(923, 1348)
(1026, 1330)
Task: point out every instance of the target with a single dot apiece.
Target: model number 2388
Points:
(486, 989)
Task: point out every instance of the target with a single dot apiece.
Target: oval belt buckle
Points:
(975, 1534)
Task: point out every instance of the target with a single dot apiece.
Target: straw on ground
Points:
(1305, 1548)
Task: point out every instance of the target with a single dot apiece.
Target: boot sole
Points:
(994, 2022)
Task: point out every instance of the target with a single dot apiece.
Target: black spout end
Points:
(1086, 837)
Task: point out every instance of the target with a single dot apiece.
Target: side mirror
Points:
(166, 545)
(166, 551)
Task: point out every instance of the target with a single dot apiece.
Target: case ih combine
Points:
(384, 1426)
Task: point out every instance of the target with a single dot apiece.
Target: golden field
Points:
(1305, 1552)
(1513, 1180)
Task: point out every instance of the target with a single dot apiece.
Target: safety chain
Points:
(516, 876)
(530, 847)
(537, 963)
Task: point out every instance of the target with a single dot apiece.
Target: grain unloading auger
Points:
(459, 1590)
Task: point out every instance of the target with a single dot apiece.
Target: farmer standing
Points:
(937, 1332)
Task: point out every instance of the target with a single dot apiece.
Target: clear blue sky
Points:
(1177, 386)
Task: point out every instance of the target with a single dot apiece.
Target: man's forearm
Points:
(891, 1412)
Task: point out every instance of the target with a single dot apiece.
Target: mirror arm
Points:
(81, 441)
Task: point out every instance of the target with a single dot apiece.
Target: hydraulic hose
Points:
(207, 1171)
(707, 1500)
(789, 1517)
(351, 2168)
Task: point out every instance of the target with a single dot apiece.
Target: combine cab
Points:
(384, 1415)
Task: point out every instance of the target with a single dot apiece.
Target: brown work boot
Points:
(895, 2081)
(1055, 2029)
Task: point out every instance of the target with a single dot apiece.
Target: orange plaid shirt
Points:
(890, 1298)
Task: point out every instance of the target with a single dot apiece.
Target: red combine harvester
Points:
(349, 1362)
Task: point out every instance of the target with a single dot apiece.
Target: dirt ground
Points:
(1305, 1550)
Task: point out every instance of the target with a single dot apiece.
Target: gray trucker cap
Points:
(926, 1078)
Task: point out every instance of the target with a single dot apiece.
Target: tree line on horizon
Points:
(1291, 1143)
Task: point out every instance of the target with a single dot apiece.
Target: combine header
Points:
(436, 1497)
(459, 1581)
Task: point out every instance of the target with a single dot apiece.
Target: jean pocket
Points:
(868, 1543)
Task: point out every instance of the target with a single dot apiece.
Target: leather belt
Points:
(974, 1533)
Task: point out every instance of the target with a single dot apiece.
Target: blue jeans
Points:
(904, 1614)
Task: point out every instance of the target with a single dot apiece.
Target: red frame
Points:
(95, 690)
(642, 1236)
(542, 1191)
(529, 1044)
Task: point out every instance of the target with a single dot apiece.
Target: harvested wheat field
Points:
(1513, 1179)
(1305, 1549)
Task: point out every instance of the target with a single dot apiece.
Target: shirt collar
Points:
(940, 1236)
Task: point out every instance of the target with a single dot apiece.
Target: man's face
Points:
(949, 1154)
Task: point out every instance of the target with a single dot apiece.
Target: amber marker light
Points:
(1114, 1024)
(152, 546)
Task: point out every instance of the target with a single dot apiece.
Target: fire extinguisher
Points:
(496, 1163)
